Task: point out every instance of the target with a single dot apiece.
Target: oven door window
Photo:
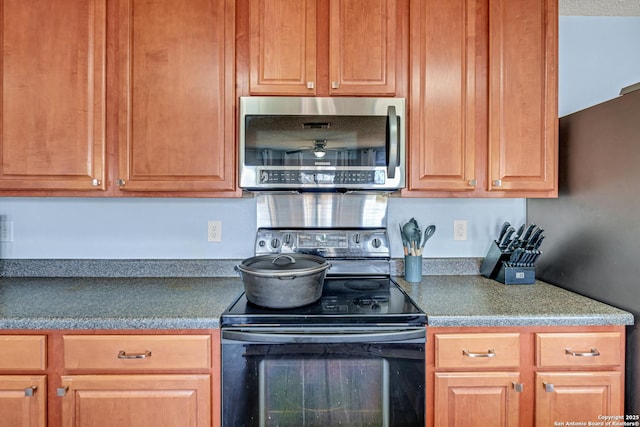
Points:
(320, 392)
(327, 384)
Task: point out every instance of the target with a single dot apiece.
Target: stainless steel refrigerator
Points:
(592, 229)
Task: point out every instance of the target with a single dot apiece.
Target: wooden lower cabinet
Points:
(136, 400)
(577, 396)
(23, 400)
(109, 378)
(524, 376)
(468, 399)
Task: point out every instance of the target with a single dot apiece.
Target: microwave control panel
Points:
(330, 177)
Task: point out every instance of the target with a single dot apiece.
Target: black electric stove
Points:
(357, 290)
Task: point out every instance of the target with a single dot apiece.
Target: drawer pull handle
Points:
(489, 353)
(30, 391)
(594, 352)
(123, 355)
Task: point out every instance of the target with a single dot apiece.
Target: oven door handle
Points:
(323, 337)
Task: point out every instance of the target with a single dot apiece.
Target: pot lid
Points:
(285, 263)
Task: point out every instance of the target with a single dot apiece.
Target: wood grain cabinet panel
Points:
(476, 399)
(53, 118)
(580, 349)
(443, 95)
(136, 400)
(23, 400)
(137, 352)
(477, 351)
(23, 352)
(176, 114)
(326, 48)
(577, 396)
(523, 95)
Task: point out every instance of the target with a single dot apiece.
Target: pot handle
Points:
(289, 257)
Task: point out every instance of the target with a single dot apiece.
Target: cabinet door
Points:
(136, 400)
(23, 400)
(577, 396)
(468, 399)
(53, 95)
(523, 112)
(282, 47)
(176, 102)
(362, 47)
(443, 95)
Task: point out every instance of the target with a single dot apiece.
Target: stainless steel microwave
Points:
(309, 143)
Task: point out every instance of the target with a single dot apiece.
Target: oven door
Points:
(323, 377)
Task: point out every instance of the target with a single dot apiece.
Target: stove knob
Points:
(356, 237)
(275, 243)
(287, 239)
(375, 306)
(262, 243)
(376, 243)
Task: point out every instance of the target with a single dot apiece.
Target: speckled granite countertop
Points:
(478, 301)
(115, 303)
(198, 302)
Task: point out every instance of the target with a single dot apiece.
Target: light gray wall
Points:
(597, 57)
(64, 228)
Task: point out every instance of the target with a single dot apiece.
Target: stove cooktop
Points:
(344, 301)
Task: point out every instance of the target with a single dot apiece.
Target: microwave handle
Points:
(393, 141)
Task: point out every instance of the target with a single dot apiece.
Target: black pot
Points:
(283, 281)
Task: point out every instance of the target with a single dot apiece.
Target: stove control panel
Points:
(350, 243)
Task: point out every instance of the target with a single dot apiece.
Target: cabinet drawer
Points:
(137, 352)
(578, 349)
(22, 352)
(501, 350)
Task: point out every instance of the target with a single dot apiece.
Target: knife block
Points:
(516, 275)
(493, 261)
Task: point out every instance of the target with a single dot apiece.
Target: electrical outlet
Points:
(460, 229)
(214, 232)
(6, 230)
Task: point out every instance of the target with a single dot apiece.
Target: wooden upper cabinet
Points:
(443, 98)
(176, 103)
(523, 111)
(483, 97)
(321, 47)
(282, 47)
(53, 95)
(362, 47)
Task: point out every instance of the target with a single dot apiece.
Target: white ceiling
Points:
(600, 7)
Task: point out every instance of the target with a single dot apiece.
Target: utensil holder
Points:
(510, 275)
(412, 268)
(493, 261)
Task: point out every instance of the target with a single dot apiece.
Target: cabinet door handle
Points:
(518, 387)
(30, 391)
(594, 352)
(548, 387)
(489, 353)
(62, 391)
(123, 355)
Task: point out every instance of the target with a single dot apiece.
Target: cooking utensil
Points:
(283, 281)
(412, 233)
(428, 232)
(405, 241)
